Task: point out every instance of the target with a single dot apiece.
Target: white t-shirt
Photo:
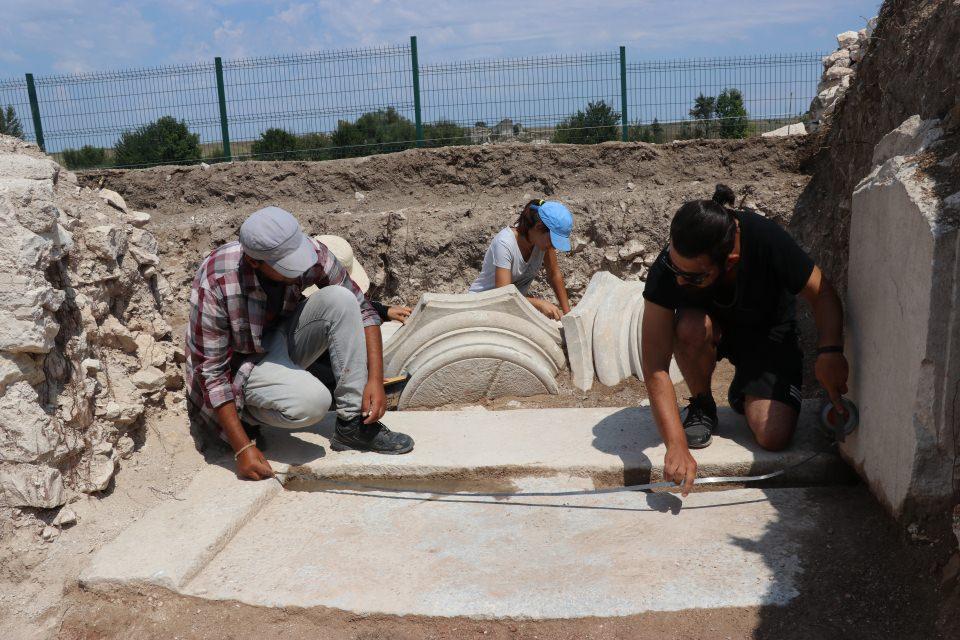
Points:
(504, 252)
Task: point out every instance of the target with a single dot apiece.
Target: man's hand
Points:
(679, 466)
(548, 309)
(832, 370)
(374, 401)
(400, 314)
(252, 465)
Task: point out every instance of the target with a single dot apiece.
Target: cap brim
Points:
(359, 276)
(295, 264)
(560, 243)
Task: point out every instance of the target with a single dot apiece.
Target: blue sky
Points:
(68, 36)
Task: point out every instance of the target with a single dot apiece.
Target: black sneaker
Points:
(376, 437)
(700, 421)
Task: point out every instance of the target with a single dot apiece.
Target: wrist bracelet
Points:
(236, 456)
(830, 349)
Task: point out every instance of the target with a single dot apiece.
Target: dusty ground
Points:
(846, 591)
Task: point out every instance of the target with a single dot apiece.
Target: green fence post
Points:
(416, 89)
(35, 111)
(222, 96)
(623, 93)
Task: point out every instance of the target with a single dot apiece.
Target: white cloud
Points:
(107, 34)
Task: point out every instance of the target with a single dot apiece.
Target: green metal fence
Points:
(336, 104)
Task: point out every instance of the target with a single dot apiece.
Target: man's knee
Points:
(694, 330)
(772, 423)
(309, 407)
(337, 301)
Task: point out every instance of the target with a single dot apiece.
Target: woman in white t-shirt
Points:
(517, 252)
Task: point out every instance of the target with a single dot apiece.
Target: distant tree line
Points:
(170, 141)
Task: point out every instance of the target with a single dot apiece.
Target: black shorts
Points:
(765, 368)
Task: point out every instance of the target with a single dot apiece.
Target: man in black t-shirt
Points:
(725, 287)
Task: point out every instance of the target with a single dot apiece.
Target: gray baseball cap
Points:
(274, 236)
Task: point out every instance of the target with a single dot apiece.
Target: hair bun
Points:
(724, 195)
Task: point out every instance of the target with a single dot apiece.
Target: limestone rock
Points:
(24, 167)
(116, 335)
(149, 379)
(797, 129)
(65, 518)
(26, 432)
(841, 58)
(95, 471)
(465, 347)
(137, 218)
(113, 198)
(910, 138)
(631, 249)
(31, 485)
(837, 72)
(15, 367)
(847, 38)
(26, 324)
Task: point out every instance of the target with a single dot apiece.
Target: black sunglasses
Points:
(692, 277)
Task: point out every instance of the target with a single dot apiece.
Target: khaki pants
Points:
(282, 391)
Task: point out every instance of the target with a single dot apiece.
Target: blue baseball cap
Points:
(559, 221)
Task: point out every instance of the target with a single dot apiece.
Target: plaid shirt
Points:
(227, 318)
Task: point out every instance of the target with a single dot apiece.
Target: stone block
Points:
(910, 138)
(113, 198)
(31, 485)
(26, 432)
(464, 347)
(903, 328)
(847, 39)
(23, 167)
(797, 129)
(840, 57)
(837, 72)
(170, 544)
(578, 328)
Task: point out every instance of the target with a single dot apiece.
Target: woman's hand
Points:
(548, 309)
(400, 314)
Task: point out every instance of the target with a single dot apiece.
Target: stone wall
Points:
(903, 320)
(84, 349)
(839, 69)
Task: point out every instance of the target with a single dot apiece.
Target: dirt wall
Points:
(912, 66)
(421, 220)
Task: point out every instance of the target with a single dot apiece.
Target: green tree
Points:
(731, 114)
(275, 144)
(443, 133)
(381, 131)
(85, 157)
(314, 146)
(656, 131)
(599, 123)
(702, 113)
(163, 141)
(10, 123)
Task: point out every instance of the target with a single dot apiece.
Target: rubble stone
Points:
(64, 264)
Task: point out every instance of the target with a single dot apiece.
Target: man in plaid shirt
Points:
(254, 341)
